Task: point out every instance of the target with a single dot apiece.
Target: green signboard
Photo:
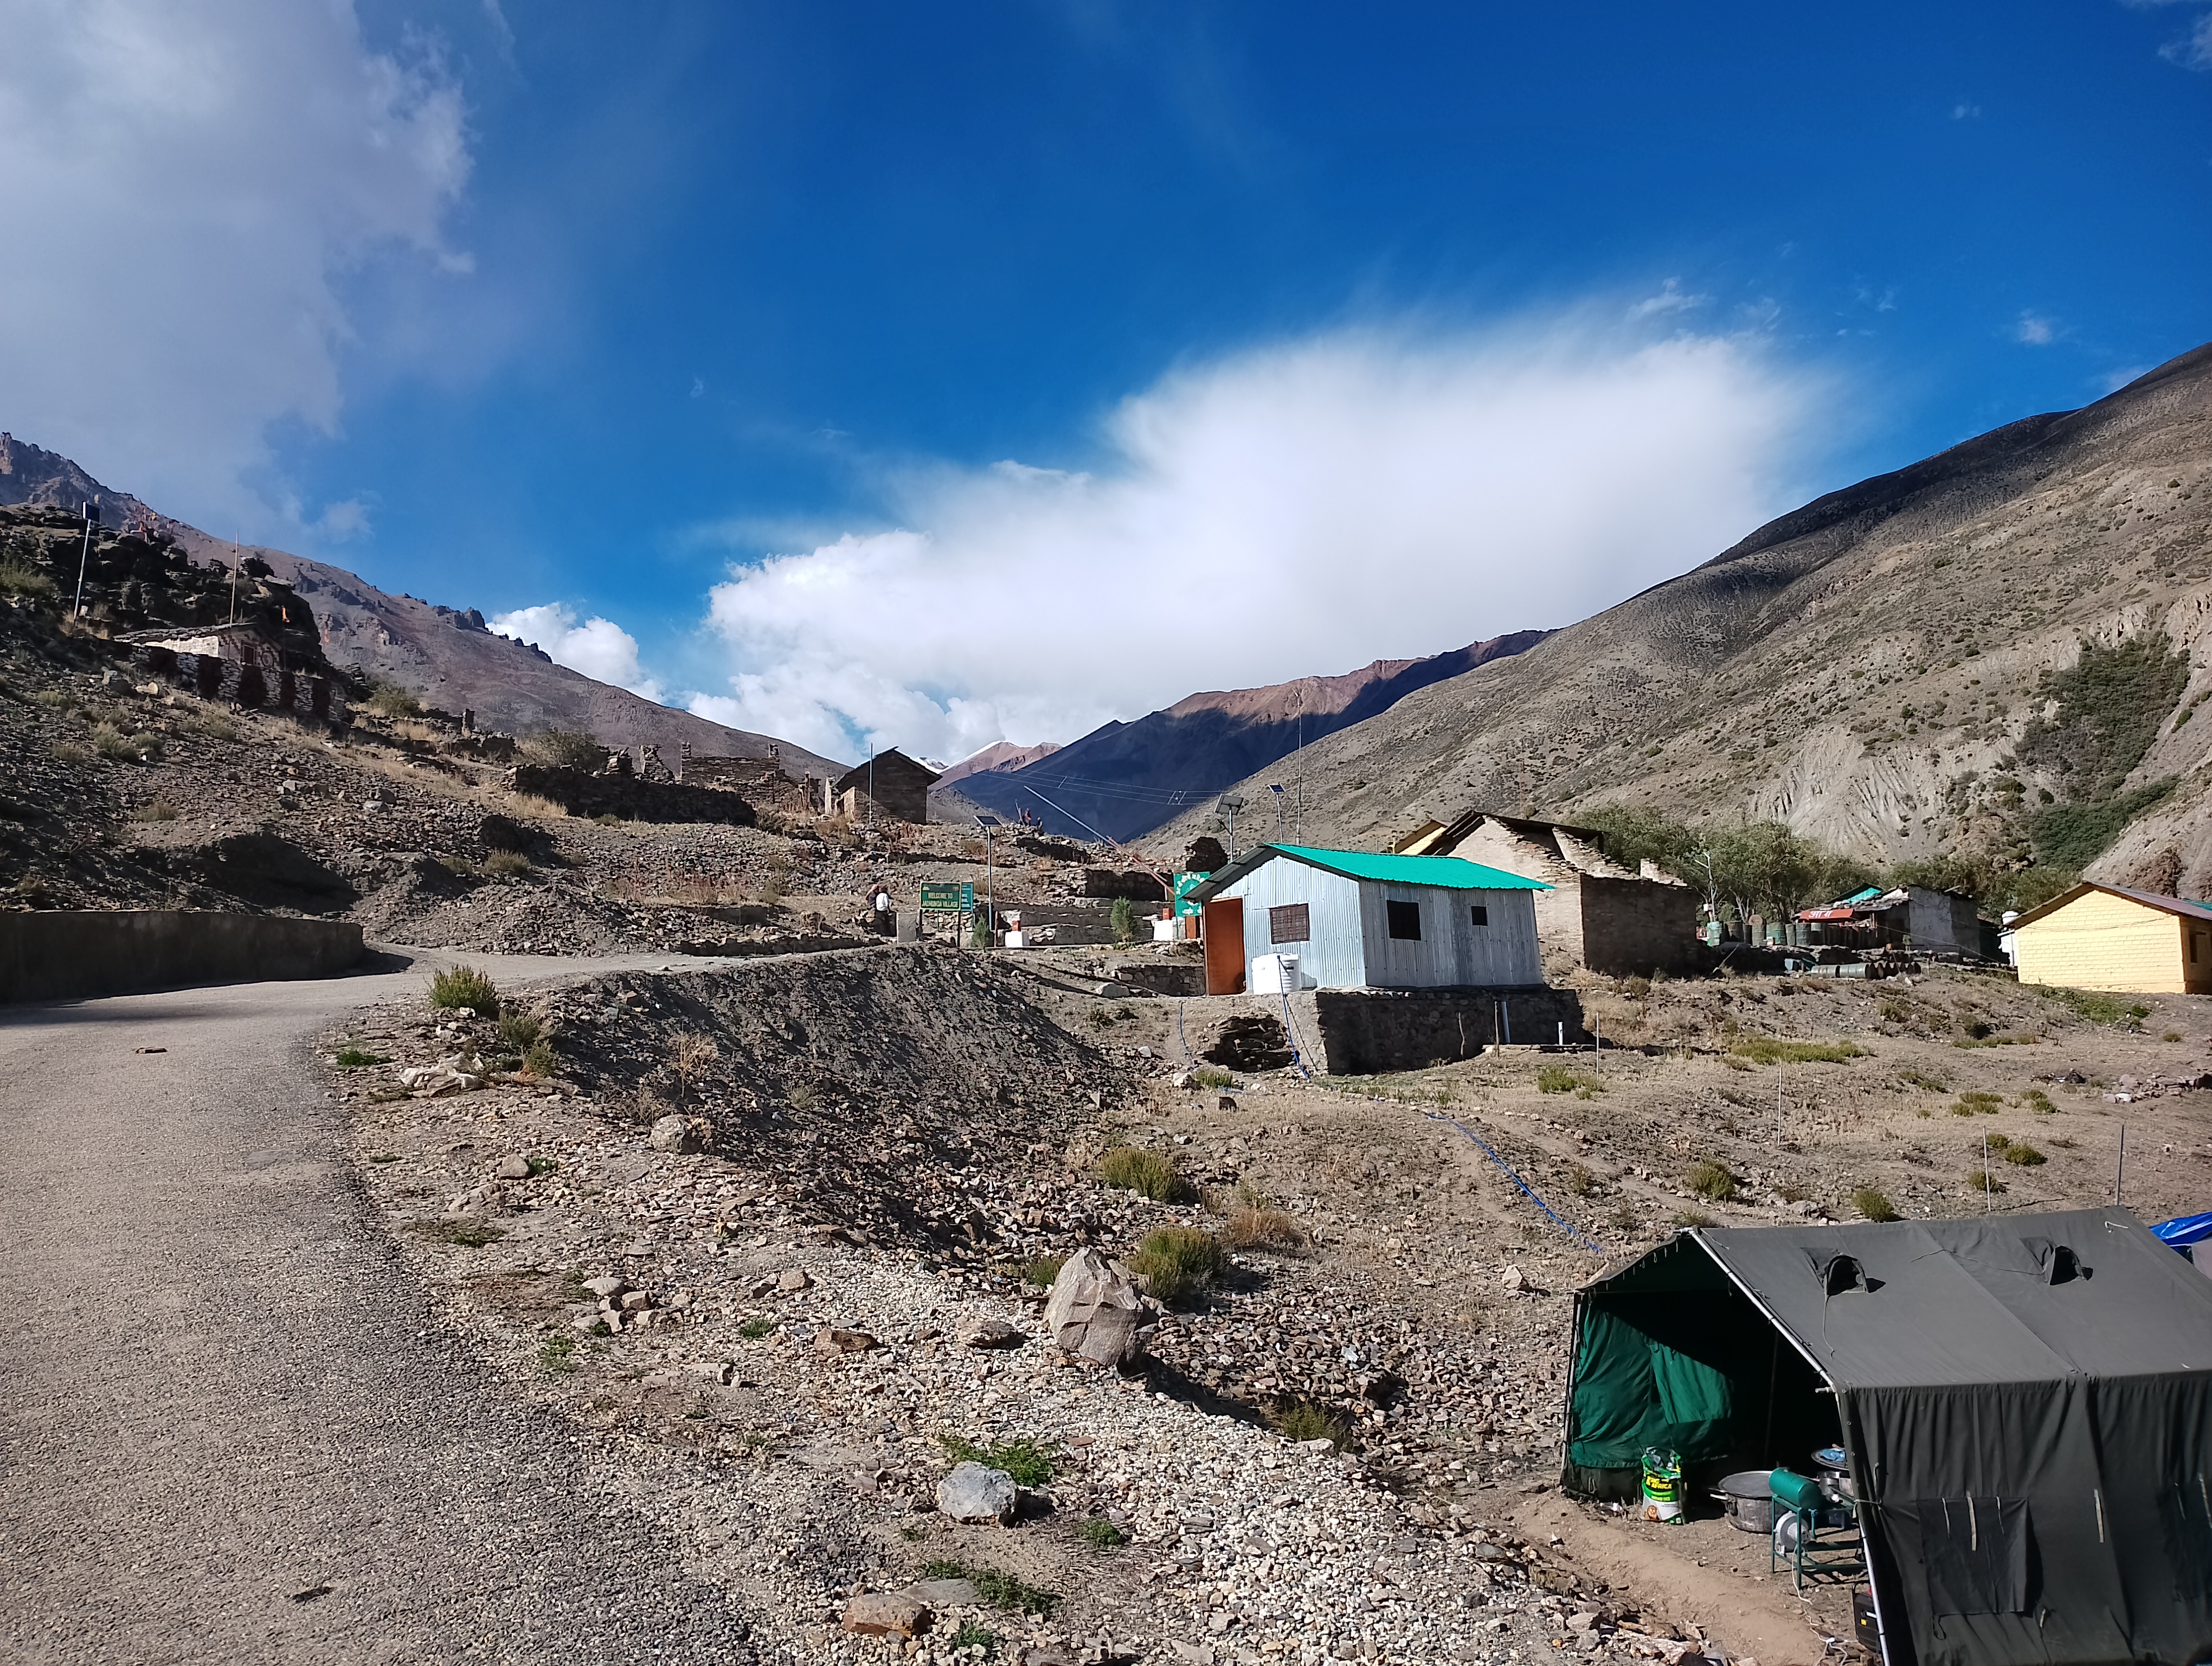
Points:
(948, 899)
(1184, 884)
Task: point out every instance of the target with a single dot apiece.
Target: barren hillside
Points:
(443, 654)
(1892, 669)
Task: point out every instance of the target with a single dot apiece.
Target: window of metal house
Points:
(1289, 924)
(1405, 920)
(1481, 914)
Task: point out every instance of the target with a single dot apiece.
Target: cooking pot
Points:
(1749, 1496)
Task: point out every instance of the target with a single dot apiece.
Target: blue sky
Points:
(931, 373)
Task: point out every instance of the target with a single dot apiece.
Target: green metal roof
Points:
(1452, 873)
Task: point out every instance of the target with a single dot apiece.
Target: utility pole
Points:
(234, 580)
(871, 785)
(990, 826)
(1231, 804)
(91, 520)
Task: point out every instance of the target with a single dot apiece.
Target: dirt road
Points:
(228, 1431)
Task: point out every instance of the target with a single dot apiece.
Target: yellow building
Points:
(2100, 937)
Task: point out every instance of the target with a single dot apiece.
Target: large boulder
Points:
(886, 1614)
(1096, 1311)
(977, 1493)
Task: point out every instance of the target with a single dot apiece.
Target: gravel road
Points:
(229, 1429)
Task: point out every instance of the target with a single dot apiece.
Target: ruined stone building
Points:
(1611, 919)
(899, 784)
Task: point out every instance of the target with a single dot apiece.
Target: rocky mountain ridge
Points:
(1899, 669)
(1126, 779)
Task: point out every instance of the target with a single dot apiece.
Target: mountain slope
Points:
(1001, 756)
(1873, 669)
(1126, 779)
(445, 655)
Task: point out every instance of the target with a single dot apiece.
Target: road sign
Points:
(1184, 884)
(948, 899)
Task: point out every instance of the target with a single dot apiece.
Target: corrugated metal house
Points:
(1613, 919)
(1357, 920)
(2101, 936)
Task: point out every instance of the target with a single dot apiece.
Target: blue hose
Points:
(1482, 1147)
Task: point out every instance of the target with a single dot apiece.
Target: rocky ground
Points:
(901, 1142)
(125, 793)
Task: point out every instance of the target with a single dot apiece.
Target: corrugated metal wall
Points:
(1453, 949)
(1350, 946)
(1332, 955)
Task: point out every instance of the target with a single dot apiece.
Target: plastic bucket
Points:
(1662, 1486)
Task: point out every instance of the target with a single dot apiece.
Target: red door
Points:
(1225, 946)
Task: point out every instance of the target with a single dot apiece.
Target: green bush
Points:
(1000, 1589)
(1207, 1075)
(1123, 917)
(539, 1063)
(1029, 1463)
(1178, 1262)
(353, 1058)
(1873, 1203)
(1041, 1270)
(2100, 1007)
(506, 864)
(2025, 1156)
(1712, 1180)
(19, 578)
(1301, 1420)
(1149, 1173)
(519, 1029)
(1693, 1218)
(467, 1232)
(566, 749)
(1099, 1533)
(1564, 1079)
(1769, 1050)
(753, 1329)
(1979, 1180)
(390, 699)
(464, 987)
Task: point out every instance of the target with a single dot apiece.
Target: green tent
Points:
(2025, 1401)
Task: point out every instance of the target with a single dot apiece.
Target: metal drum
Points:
(1749, 1496)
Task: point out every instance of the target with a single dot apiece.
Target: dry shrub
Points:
(1256, 1224)
(529, 803)
(506, 864)
(691, 1056)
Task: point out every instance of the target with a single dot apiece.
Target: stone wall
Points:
(1361, 1032)
(58, 955)
(320, 699)
(583, 792)
(1633, 928)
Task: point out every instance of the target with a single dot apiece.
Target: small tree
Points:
(566, 749)
(1124, 917)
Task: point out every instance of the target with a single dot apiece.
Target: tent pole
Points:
(1773, 1377)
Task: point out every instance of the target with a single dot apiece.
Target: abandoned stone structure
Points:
(1603, 915)
(592, 793)
(900, 787)
(237, 663)
(762, 781)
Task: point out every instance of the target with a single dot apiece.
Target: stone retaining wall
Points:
(53, 955)
(581, 793)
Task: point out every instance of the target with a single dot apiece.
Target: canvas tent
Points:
(2025, 1403)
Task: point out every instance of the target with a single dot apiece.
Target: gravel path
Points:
(229, 1428)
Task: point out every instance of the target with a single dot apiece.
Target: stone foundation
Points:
(256, 687)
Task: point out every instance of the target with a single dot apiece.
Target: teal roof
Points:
(1452, 873)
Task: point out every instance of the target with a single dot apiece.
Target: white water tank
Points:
(1274, 974)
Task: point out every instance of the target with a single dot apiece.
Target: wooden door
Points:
(1225, 946)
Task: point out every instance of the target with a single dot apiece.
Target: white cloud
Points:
(598, 647)
(199, 175)
(1965, 111)
(1299, 509)
(2034, 329)
(1670, 298)
(2194, 50)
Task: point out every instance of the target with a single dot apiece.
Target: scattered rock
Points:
(1095, 1310)
(977, 1493)
(714, 1370)
(792, 1279)
(513, 1167)
(946, 1593)
(607, 1285)
(1514, 1281)
(886, 1614)
(976, 1332)
(681, 1134)
(829, 1340)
